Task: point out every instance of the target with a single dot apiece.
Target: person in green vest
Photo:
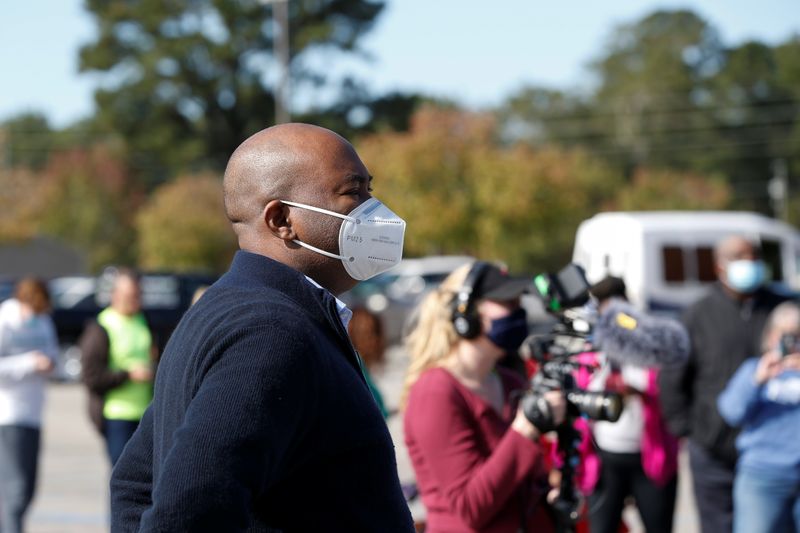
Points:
(118, 352)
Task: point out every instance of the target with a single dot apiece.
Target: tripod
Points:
(567, 504)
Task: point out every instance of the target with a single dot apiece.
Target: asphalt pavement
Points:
(72, 495)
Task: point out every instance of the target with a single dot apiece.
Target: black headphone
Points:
(465, 316)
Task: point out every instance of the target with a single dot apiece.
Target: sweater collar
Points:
(345, 314)
(249, 270)
(260, 270)
(265, 271)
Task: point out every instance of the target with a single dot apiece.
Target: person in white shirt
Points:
(634, 456)
(28, 348)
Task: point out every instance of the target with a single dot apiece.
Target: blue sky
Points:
(474, 52)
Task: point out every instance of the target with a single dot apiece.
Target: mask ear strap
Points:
(323, 252)
(320, 210)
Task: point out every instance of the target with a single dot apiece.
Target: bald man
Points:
(725, 329)
(118, 352)
(262, 419)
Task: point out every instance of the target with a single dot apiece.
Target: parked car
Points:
(394, 294)
(6, 288)
(78, 299)
(73, 299)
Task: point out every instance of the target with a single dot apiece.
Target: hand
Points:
(523, 426)
(140, 374)
(42, 364)
(558, 403)
(769, 366)
(558, 409)
(554, 478)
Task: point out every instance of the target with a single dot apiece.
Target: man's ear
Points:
(277, 218)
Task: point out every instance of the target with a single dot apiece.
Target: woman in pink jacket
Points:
(635, 456)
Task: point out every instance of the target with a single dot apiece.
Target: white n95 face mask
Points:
(370, 239)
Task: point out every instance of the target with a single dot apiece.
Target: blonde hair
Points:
(198, 293)
(432, 336)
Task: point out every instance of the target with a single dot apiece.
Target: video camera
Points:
(556, 354)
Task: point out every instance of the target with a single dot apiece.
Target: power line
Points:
(704, 147)
(703, 112)
(670, 132)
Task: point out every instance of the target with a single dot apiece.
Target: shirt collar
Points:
(345, 314)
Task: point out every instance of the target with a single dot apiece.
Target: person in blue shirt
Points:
(763, 399)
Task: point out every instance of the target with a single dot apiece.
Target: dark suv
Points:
(78, 299)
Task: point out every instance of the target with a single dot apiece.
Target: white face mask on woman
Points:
(370, 238)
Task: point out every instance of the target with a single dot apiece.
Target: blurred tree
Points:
(754, 115)
(357, 113)
(87, 201)
(462, 192)
(648, 105)
(185, 81)
(182, 227)
(547, 116)
(665, 189)
(20, 208)
(670, 95)
(787, 59)
(652, 79)
(26, 141)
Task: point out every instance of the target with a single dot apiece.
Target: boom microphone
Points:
(628, 336)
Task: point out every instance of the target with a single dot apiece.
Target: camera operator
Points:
(478, 464)
(763, 399)
(635, 455)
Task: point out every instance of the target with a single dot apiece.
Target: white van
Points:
(666, 257)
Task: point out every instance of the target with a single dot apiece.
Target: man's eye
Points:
(356, 192)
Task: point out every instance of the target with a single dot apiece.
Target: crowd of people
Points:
(734, 398)
(264, 413)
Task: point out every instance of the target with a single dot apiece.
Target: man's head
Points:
(303, 164)
(126, 294)
(738, 265)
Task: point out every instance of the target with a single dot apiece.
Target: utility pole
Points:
(778, 189)
(280, 47)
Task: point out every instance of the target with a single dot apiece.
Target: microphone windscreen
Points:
(628, 336)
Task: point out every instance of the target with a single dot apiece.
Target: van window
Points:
(672, 259)
(771, 254)
(705, 264)
(688, 264)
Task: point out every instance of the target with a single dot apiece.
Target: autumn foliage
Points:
(462, 191)
(182, 227)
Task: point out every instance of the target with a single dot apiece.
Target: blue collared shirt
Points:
(345, 314)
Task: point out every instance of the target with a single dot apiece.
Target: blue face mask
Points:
(745, 276)
(509, 332)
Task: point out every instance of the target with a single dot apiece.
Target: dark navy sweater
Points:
(261, 420)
